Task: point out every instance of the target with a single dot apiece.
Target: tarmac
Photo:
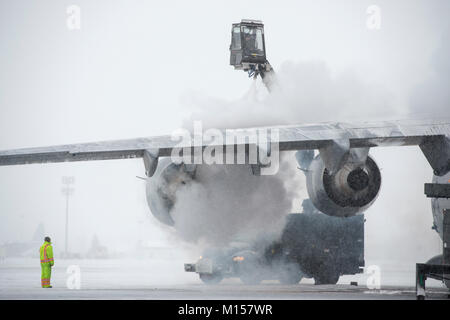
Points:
(165, 279)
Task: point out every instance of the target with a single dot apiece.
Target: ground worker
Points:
(46, 254)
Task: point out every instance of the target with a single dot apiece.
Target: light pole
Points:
(67, 190)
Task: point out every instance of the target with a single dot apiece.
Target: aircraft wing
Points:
(433, 136)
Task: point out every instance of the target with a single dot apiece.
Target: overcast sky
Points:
(135, 68)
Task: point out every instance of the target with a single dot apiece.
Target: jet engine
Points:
(162, 186)
(346, 192)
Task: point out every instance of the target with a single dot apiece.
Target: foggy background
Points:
(140, 68)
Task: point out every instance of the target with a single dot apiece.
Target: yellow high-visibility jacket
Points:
(46, 252)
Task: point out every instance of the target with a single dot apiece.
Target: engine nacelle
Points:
(438, 206)
(161, 188)
(347, 192)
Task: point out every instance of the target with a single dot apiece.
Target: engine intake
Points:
(162, 187)
(347, 192)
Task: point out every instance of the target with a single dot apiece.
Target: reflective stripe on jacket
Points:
(46, 253)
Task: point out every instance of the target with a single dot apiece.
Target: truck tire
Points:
(290, 274)
(250, 279)
(330, 277)
(249, 269)
(214, 278)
